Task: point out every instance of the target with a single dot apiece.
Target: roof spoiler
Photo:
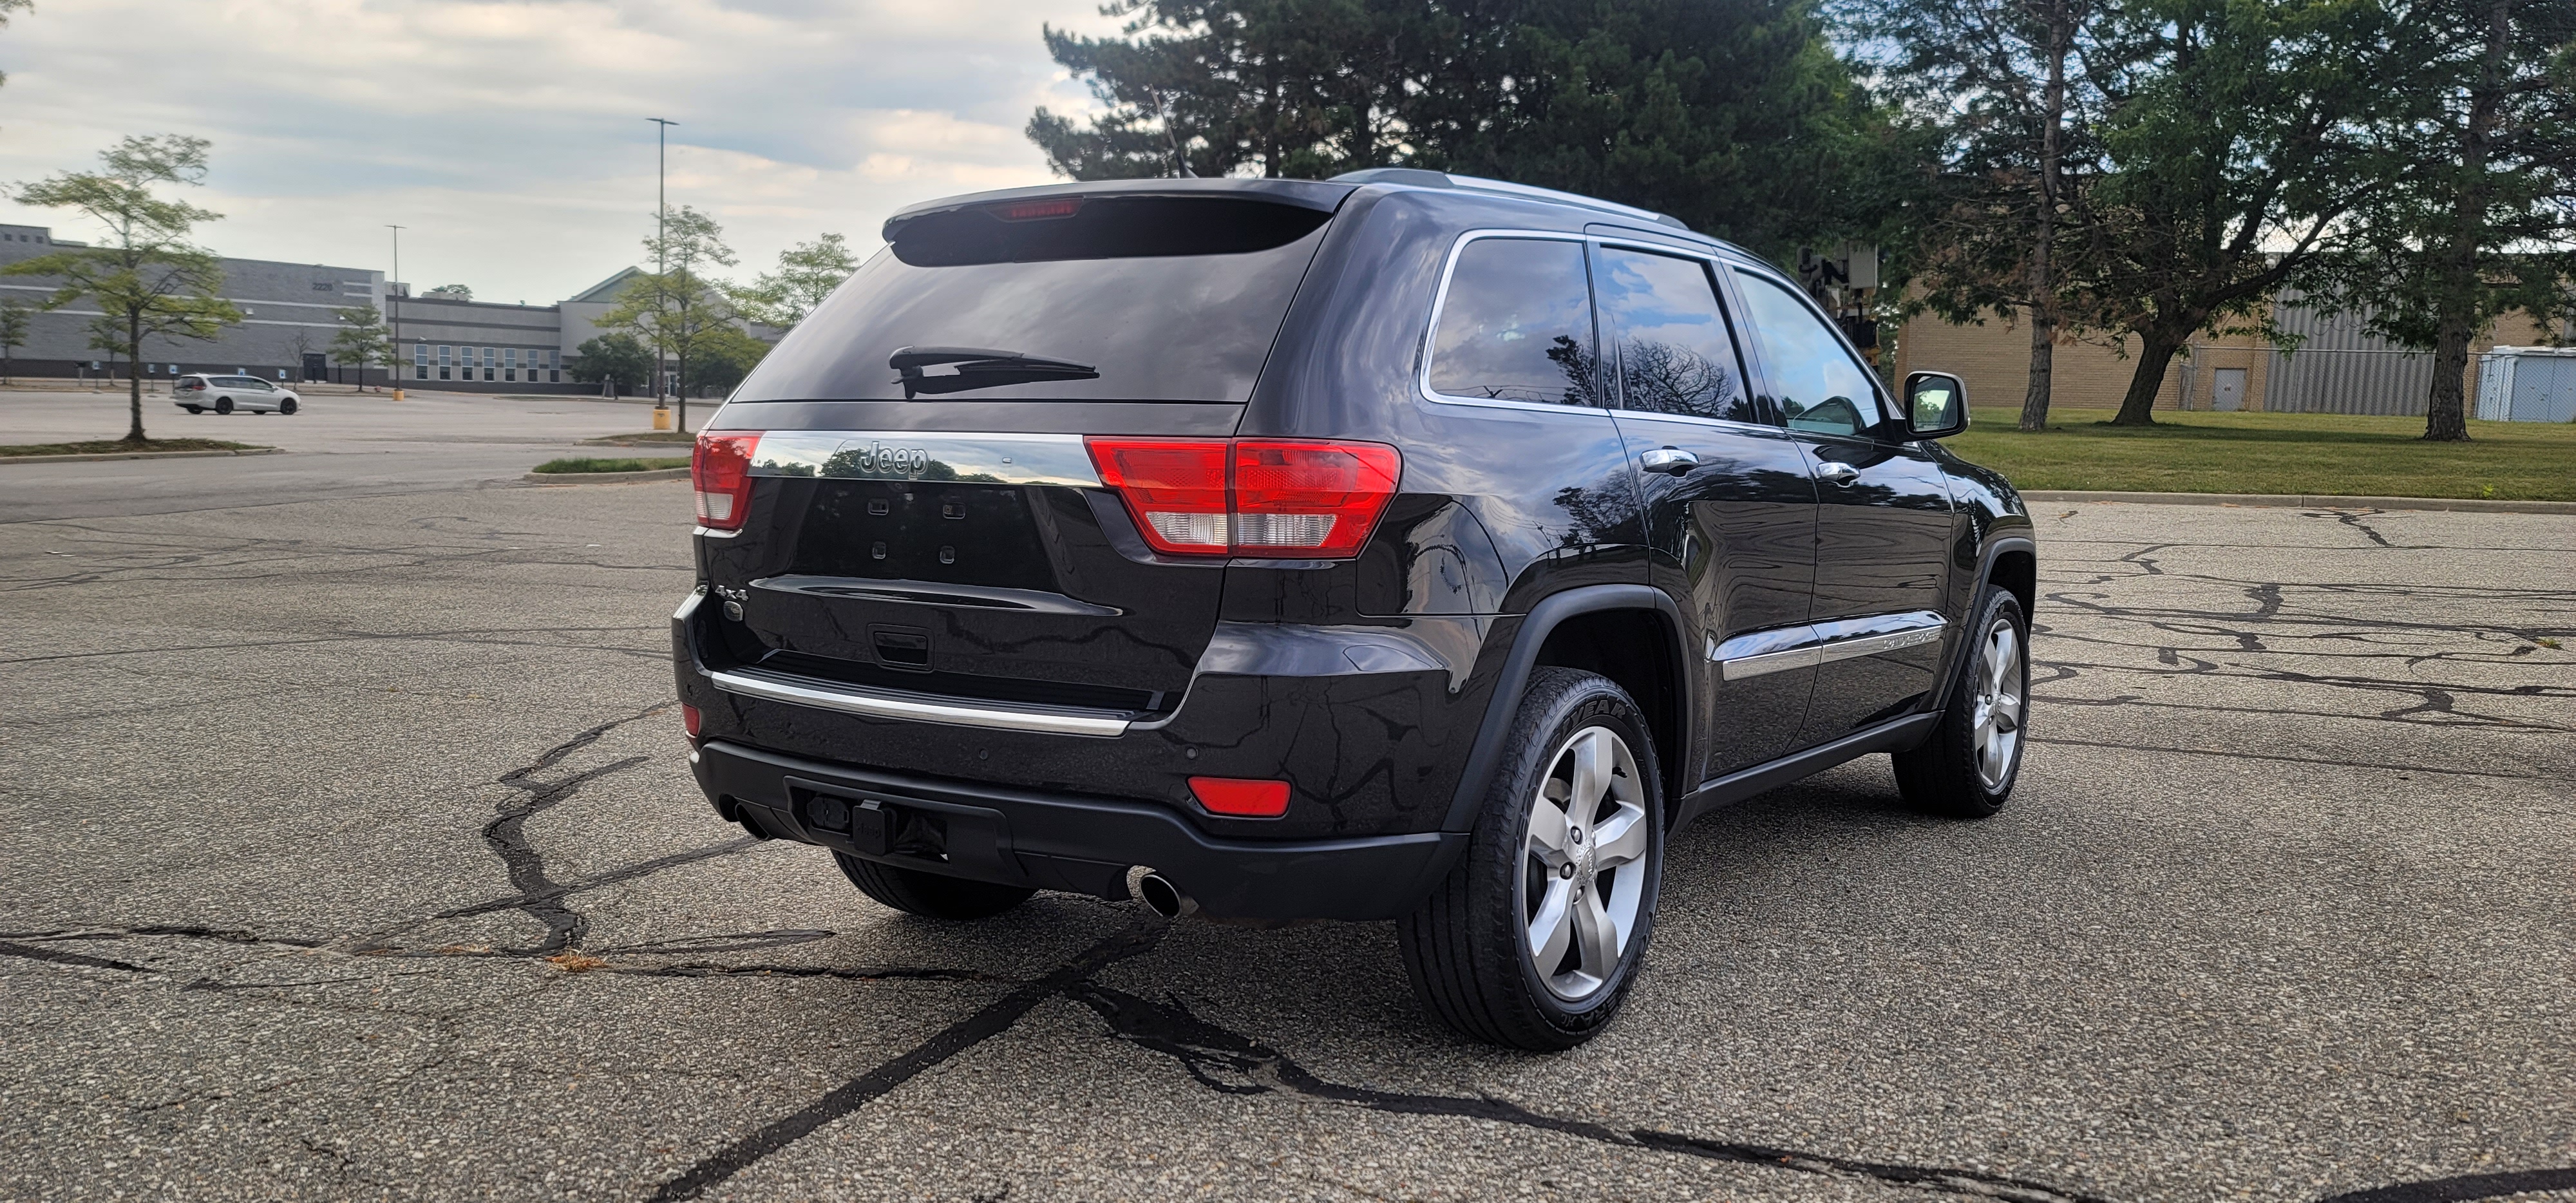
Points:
(1416, 177)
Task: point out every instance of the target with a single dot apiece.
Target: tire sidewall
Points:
(1560, 703)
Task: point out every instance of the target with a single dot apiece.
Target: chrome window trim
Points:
(1440, 302)
(1780, 649)
(878, 705)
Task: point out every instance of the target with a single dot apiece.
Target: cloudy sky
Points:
(510, 135)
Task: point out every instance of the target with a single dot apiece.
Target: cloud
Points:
(509, 137)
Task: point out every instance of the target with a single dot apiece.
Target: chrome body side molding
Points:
(874, 704)
(1758, 653)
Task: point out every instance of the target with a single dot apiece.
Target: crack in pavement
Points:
(506, 834)
(991, 1020)
(1205, 1050)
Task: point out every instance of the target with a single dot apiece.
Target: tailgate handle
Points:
(902, 647)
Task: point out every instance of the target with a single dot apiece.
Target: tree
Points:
(619, 360)
(807, 273)
(146, 277)
(364, 341)
(676, 308)
(14, 317)
(451, 292)
(2479, 215)
(2018, 91)
(2236, 164)
(12, 6)
(723, 359)
(1733, 115)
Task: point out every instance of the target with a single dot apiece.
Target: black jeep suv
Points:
(1402, 546)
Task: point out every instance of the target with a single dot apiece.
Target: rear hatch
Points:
(922, 512)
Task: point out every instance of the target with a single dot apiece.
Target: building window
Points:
(444, 354)
(489, 358)
(509, 363)
(420, 361)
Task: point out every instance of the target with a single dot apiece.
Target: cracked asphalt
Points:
(352, 854)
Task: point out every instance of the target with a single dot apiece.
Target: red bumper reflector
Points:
(1241, 798)
(691, 719)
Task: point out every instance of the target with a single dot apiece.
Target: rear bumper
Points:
(1083, 845)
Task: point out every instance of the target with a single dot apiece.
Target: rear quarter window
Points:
(1168, 299)
(1515, 324)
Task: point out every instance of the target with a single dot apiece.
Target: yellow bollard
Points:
(397, 392)
(661, 417)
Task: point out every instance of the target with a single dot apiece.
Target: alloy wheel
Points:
(1999, 704)
(1582, 880)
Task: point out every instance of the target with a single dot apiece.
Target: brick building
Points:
(2338, 368)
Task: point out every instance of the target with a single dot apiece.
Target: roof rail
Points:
(1420, 178)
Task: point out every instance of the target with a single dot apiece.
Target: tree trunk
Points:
(134, 379)
(2445, 409)
(683, 389)
(2043, 283)
(2155, 355)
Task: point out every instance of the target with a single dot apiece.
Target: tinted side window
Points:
(1516, 324)
(1663, 319)
(1820, 386)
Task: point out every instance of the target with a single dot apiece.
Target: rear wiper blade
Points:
(977, 367)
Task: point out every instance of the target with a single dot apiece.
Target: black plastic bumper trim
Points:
(1086, 845)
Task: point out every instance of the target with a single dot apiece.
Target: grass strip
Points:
(121, 447)
(2278, 453)
(582, 464)
(643, 437)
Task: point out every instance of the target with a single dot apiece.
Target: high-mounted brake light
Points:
(1040, 210)
(720, 470)
(1287, 498)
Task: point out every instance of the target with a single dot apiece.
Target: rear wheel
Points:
(223, 405)
(1968, 766)
(287, 407)
(194, 409)
(929, 894)
(1535, 936)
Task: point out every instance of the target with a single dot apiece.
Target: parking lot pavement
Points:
(339, 445)
(352, 854)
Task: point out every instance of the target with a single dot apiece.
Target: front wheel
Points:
(287, 407)
(1968, 766)
(929, 894)
(1535, 936)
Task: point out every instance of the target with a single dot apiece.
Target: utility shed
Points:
(2527, 384)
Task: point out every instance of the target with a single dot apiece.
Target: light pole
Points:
(661, 208)
(393, 362)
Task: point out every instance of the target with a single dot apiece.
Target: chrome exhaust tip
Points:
(1158, 893)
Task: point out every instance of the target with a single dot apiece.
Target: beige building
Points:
(2338, 369)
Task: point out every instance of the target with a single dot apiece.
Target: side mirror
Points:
(1936, 405)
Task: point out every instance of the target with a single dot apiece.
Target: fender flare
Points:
(1959, 656)
(1513, 681)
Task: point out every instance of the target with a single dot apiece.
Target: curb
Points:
(603, 478)
(108, 455)
(2471, 505)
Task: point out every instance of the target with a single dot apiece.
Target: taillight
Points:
(1251, 497)
(690, 720)
(720, 470)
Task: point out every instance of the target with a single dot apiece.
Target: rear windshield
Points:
(1166, 299)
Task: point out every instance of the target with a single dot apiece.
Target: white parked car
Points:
(199, 392)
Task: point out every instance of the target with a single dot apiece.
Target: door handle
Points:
(1669, 459)
(1837, 473)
